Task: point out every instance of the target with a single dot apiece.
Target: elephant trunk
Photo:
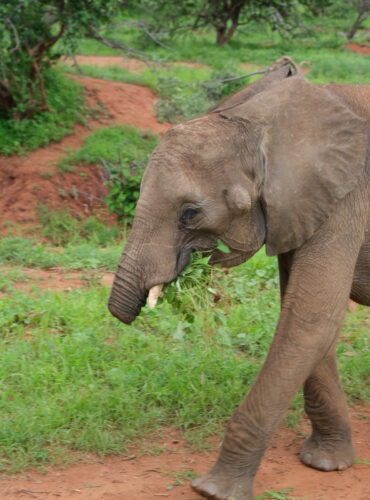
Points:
(128, 294)
(149, 260)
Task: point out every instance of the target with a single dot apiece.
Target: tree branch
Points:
(15, 33)
(114, 44)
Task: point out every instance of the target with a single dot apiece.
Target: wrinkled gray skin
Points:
(286, 164)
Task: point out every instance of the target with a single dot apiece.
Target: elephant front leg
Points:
(313, 308)
(232, 476)
(330, 445)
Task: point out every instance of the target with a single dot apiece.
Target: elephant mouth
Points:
(232, 259)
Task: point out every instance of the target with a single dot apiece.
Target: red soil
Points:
(358, 48)
(140, 476)
(33, 179)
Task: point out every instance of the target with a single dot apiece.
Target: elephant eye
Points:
(188, 214)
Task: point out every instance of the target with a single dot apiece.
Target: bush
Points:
(66, 107)
(181, 101)
(29, 30)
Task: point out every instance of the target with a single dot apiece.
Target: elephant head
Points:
(266, 166)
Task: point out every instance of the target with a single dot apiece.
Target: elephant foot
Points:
(221, 487)
(327, 454)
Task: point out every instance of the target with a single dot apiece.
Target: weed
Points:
(180, 477)
(360, 461)
(276, 495)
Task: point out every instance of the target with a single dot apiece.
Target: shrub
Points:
(66, 107)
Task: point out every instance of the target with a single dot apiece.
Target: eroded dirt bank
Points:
(33, 179)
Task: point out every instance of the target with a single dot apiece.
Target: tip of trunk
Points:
(123, 316)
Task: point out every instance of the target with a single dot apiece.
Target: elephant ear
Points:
(283, 68)
(312, 150)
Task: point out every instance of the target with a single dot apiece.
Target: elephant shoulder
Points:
(356, 97)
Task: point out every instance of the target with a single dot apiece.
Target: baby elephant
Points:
(281, 163)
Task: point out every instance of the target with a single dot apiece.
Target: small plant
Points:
(123, 153)
(276, 495)
(124, 187)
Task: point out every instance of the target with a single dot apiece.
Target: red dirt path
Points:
(33, 179)
(358, 48)
(137, 476)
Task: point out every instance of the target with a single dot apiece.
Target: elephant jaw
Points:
(154, 293)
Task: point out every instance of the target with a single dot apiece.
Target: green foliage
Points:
(123, 152)
(181, 101)
(191, 289)
(28, 31)
(164, 19)
(66, 107)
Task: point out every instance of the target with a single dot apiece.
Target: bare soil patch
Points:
(33, 179)
(358, 48)
(140, 476)
(58, 279)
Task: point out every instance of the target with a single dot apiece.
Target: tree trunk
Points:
(7, 102)
(225, 34)
(355, 26)
(363, 9)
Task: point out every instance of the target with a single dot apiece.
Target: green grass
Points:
(83, 254)
(115, 144)
(66, 103)
(74, 378)
(322, 46)
(61, 229)
(115, 73)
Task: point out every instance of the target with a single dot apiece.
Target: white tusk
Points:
(154, 293)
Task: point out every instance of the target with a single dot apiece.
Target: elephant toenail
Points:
(307, 458)
(325, 464)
